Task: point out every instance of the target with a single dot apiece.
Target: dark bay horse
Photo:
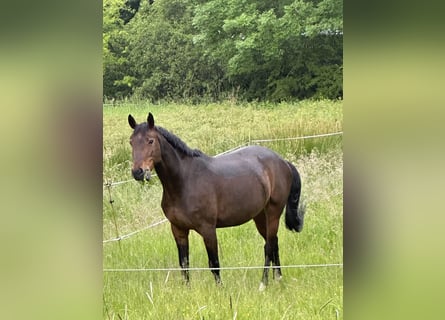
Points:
(203, 193)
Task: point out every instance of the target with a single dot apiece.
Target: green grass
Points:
(303, 293)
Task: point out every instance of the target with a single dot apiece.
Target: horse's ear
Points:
(150, 121)
(131, 121)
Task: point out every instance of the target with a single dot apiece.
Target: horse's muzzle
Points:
(140, 174)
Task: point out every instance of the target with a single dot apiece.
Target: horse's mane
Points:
(178, 144)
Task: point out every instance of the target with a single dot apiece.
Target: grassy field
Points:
(303, 293)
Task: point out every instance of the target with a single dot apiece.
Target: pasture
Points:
(303, 293)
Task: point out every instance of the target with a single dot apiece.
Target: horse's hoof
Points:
(262, 287)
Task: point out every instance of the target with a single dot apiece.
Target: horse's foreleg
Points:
(211, 244)
(182, 242)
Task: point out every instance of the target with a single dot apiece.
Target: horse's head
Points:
(146, 151)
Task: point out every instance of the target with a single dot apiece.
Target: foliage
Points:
(264, 50)
(278, 53)
(127, 12)
(165, 60)
(116, 81)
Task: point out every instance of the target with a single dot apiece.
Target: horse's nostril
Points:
(138, 174)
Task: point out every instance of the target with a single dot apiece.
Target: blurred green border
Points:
(50, 59)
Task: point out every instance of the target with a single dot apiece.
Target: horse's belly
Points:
(237, 217)
(223, 222)
(240, 207)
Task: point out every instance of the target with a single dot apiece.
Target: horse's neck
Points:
(171, 169)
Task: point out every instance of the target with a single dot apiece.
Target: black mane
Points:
(178, 144)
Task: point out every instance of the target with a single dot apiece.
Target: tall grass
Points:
(303, 293)
(215, 128)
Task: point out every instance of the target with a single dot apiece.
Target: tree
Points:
(166, 62)
(275, 52)
(193, 49)
(116, 81)
(129, 10)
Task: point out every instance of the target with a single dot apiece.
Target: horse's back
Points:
(254, 158)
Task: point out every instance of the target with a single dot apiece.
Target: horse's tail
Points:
(294, 209)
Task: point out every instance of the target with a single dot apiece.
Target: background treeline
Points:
(194, 50)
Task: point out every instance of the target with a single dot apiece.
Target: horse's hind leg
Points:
(271, 255)
(275, 258)
(182, 242)
(260, 223)
(268, 228)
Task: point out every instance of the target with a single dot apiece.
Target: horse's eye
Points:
(150, 141)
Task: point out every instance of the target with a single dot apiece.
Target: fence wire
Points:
(135, 232)
(325, 265)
